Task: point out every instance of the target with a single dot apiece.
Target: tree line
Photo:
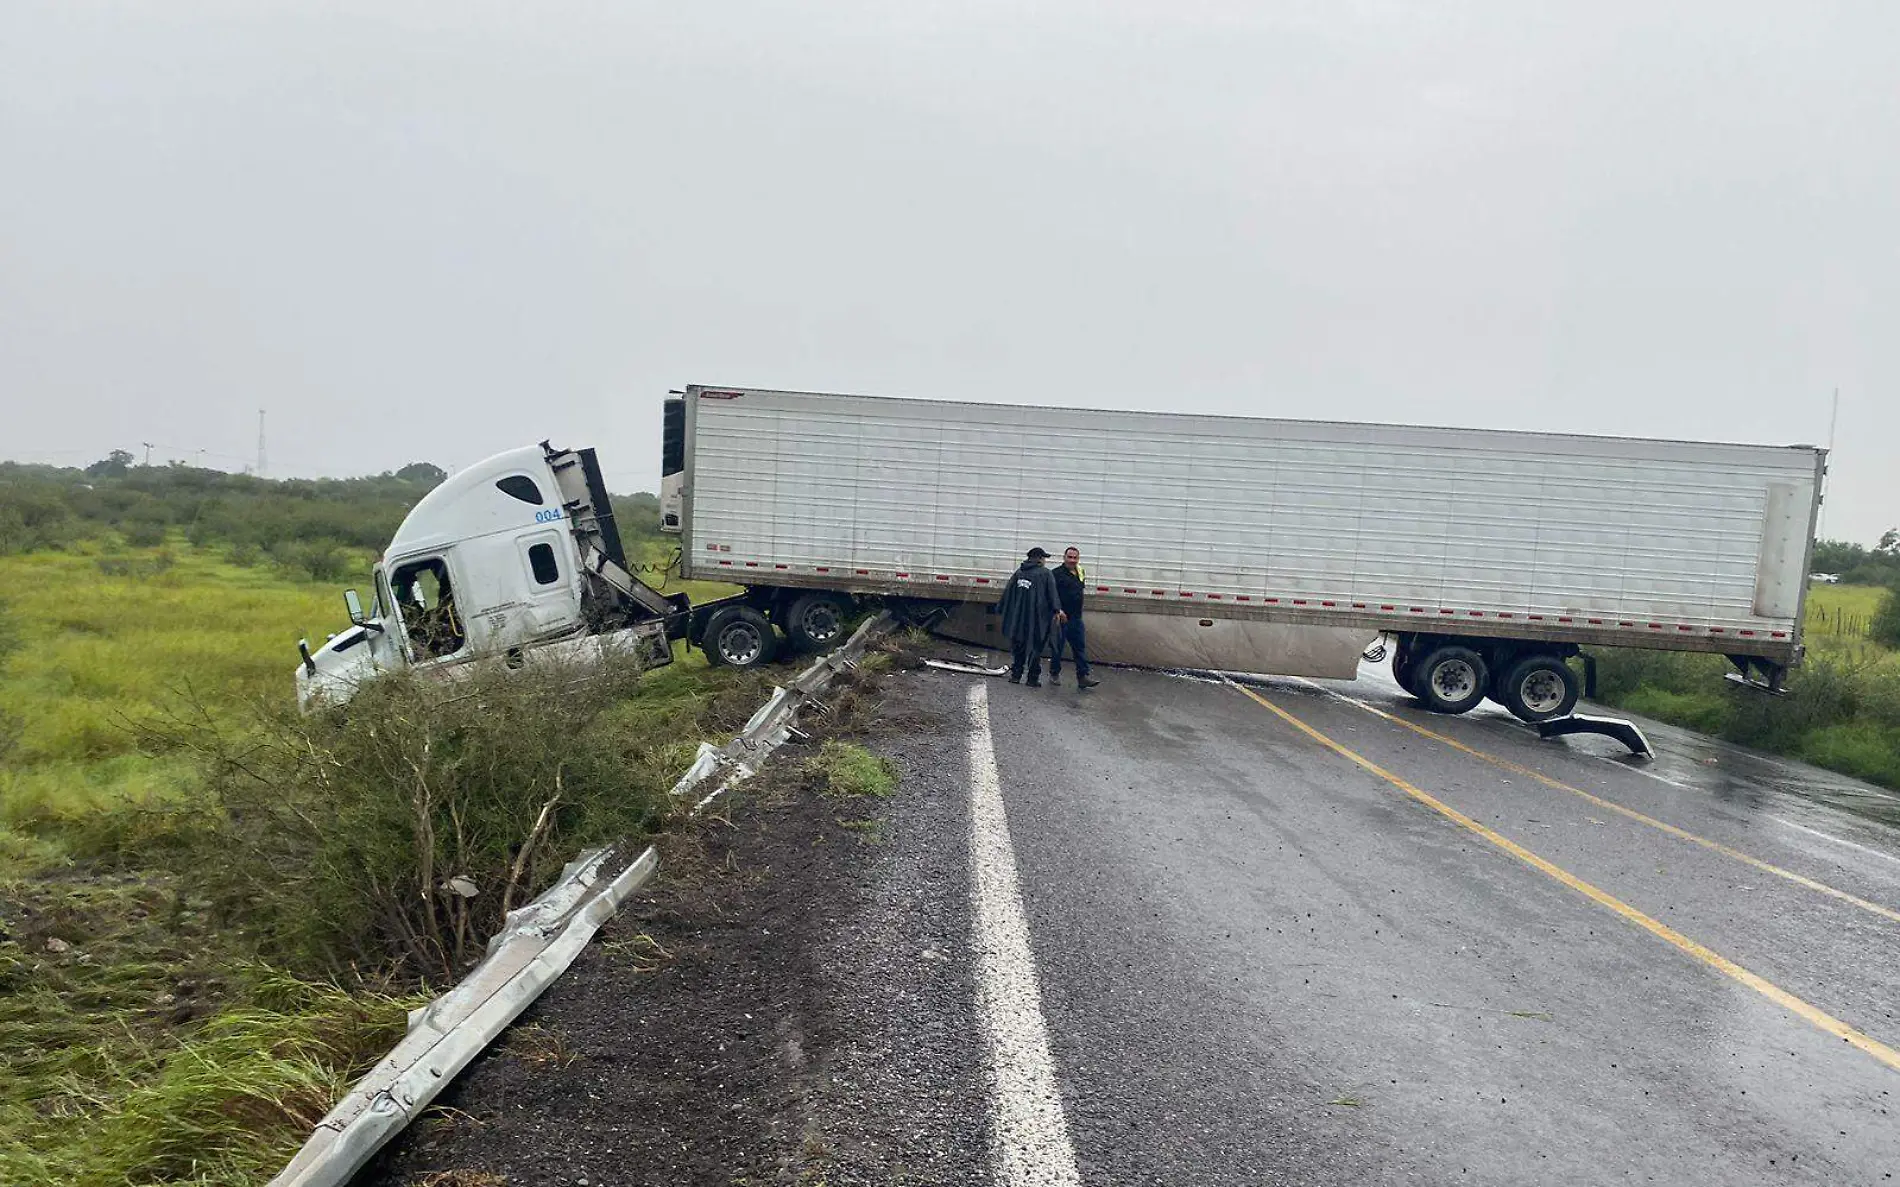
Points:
(1858, 565)
(314, 527)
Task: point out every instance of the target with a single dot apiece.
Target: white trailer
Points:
(1489, 557)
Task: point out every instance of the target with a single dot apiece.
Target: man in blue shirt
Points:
(1070, 583)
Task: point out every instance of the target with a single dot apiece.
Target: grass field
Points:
(109, 971)
(108, 640)
(143, 1039)
(1837, 613)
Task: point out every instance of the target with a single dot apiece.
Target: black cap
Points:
(1037, 554)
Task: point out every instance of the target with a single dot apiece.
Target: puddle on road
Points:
(1877, 806)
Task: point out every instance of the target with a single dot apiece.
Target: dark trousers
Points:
(1071, 632)
(1025, 655)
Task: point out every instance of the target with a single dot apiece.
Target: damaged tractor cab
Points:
(516, 555)
(518, 558)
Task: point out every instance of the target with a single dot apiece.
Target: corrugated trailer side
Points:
(1629, 541)
(1474, 533)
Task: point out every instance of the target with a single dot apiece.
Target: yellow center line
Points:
(1765, 867)
(1813, 1015)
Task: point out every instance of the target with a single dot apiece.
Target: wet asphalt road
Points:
(1262, 962)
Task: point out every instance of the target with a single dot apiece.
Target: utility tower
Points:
(260, 442)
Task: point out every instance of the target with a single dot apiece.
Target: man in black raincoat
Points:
(1029, 613)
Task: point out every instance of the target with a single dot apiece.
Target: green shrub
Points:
(1622, 671)
(1881, 700)
(143, 533)
(1882, 571)
(139, 567)
(32, 516)
(395, 832)
(42, 506)
(1825, 691)
(1862, 749)
(1704, 712)
(319, 560)
(1884, 628)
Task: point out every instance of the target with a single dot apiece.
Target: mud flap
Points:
(1610, 727)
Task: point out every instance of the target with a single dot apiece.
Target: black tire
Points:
(1451, 679)
(1494, 687)
(815, 622)
(1539, 688)
(1402, 666)
(739, 637)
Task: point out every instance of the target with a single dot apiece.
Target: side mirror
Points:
(357, 618)
(303, 649)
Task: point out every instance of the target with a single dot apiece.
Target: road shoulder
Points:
(791, 1003)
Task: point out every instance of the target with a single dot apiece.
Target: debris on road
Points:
(944, 665)
(538, 943)
(1625, 732)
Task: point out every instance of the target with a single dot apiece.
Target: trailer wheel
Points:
(1402, 667)
(1451, 679)
(1539, 688)
(815, 622)
(739, 637)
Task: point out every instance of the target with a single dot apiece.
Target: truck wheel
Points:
(739, 637)
(1500, 665)
(1402, 667)
(1539, 688)
(815, 622)
(1451, 679)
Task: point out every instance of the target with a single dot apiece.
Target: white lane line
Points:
(1029, 1136)
(1856, 846)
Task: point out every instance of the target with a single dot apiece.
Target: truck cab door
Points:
(386, 645)
(425, 605)
(553, 602)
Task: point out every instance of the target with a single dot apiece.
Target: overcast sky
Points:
(435, 231)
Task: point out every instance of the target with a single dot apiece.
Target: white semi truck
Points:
(1488, 558)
